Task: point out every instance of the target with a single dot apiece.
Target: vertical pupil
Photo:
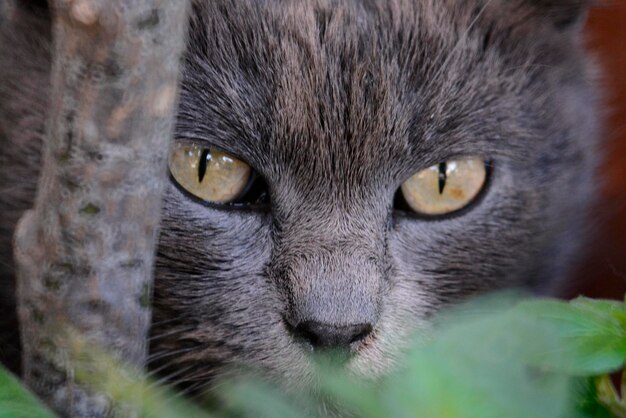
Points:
(202, 166)
(443, 175)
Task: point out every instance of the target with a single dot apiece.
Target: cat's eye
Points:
(445, 187)
(209, 174)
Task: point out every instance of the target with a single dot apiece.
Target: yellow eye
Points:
(445, 187)
(209, 174)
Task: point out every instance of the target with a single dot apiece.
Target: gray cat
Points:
(343, 170)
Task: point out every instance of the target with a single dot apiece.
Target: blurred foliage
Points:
(17, 402)
(496, 357)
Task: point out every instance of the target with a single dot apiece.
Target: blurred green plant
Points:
(17, 402)
(497, 357)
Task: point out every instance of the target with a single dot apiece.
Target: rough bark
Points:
(84, 253)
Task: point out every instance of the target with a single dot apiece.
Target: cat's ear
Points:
(563, 14)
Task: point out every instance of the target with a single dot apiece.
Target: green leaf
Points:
(591, 335)
(18, 402)
(360, 397)
(473, 368)
(252, 398)
(586, 400)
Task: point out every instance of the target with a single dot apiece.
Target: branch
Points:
(85, 252)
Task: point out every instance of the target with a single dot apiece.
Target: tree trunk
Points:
(85, 252)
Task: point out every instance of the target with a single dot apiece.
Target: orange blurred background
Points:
(603, 273)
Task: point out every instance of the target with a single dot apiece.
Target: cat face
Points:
(334, 106)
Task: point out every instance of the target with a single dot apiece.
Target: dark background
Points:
(603, 271)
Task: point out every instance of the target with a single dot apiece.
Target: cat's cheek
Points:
(210, 286)
(443, 261)
(214, 240)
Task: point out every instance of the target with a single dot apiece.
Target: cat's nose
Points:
(327, 336)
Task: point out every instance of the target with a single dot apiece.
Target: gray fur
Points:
(335, 103)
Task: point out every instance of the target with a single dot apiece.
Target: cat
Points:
(398, 157)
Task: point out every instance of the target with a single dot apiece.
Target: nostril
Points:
(362, 335)
(329, 336)
(304, 333)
